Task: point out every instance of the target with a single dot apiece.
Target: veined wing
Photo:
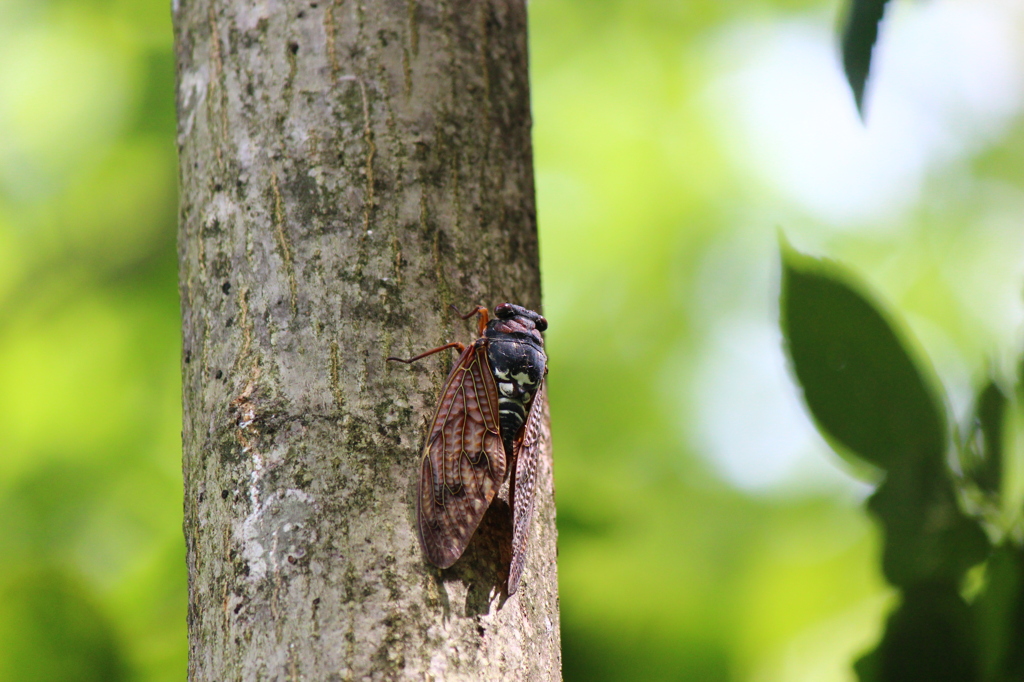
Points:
(463, 460)
(524, 485)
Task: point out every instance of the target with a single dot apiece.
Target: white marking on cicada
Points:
(501, 375)
(506, 388)
(526, 397)
(523, 379)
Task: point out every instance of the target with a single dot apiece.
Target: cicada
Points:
(487, 427)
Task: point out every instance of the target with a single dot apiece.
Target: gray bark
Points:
(348, 170)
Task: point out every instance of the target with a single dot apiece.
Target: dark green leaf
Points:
(860, 31)
(928, 638)
(984, 451)
(927, 538)
(859, 381)
(999, 613)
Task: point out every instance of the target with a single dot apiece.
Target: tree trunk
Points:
(348, 171)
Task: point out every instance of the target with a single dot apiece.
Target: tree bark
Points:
(348, 171)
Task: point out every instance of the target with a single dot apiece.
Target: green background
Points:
(706, 532)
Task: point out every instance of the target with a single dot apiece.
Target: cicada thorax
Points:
(518, 368)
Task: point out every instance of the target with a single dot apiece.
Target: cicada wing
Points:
(524, 485)
(463, 459)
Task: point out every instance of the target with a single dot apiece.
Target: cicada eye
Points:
(541, 324)
(504, 311)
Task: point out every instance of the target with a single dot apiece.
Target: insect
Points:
(487, 427)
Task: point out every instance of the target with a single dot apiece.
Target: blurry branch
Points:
(879, 407)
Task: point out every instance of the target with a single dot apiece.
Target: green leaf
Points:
(927, 538)
(860, 31)
(984, 452)
(929, 638)
(859, 381)
(999, 613)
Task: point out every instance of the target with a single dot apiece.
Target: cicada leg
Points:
(479, 310)
(454, 344)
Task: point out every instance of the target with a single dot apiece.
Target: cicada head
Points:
(514, 321)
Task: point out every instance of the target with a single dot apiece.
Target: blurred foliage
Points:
(701, 535)
(982, 455)
(858, 379)
(865, 391)
(92, 577)
(860, 31)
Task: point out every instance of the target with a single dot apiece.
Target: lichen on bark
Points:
(348, 171)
